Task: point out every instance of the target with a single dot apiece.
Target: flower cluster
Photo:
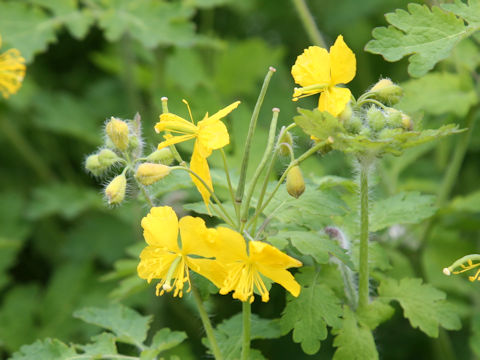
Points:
(219, 255)
(12, 71)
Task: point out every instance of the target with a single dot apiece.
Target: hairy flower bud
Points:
(286, 143)
(92, 164)
(375, 119)
(164, 156)
(407, 123)
(295, 182)
(107, 158)
(346, 114)
(394, 118)
(148, 173)
(117, 131)
(386, 91)
(353, 125)
(115, 191)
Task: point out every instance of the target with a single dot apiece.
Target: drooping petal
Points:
(231, 246)
(334, 100)
(154, 263)
(196, 238)
(219, 114)
(343, 62)
(312, 67)
(282, 277)
(172, 140)
(268, 255)
(160, 228)
(199, 165)
(174, 123)
(12, 72)
(210, 269)
(213, 136)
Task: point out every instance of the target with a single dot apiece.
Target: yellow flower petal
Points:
(210, 269)
(219, 114)
(312, 67)
(282, 277)
(268, 255)
(12, 72)
(196, 238)
(232, 246)
(154, 263)
(213, 136)
(199, 165)
(334, 100)
(172, 140)
(161, 228)
(174, 123)
(343, 62)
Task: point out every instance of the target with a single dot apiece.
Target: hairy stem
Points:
(363, 263)
(207, 325)
(246, 311)
(309, 23)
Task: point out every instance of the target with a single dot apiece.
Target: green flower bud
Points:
(387, 92)
(353, 125)
(92, 164)
(367, 132)
(407, 123)
(295, 182)
(375, 119)
(346, 113)
(115, 191)
(386, 134)
(107, 158)
(394, 118)
(117, 131)
(164, 156)
(148, 173)
(286, 143)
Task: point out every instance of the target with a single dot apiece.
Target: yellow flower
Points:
(12, 71)
(209, 134)
(318, 71)
(167, 259)
(244, 270)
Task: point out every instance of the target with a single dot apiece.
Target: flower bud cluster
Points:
(123, 150)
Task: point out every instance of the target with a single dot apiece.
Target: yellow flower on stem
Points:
(244, 269)
(168, 259)
(319, 71)
(12, 71)
(209, 134)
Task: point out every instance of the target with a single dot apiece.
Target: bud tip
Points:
(446, 271)
(275, 109)
(272, 69)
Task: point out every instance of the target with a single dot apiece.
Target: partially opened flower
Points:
(244, 269)
(168, 259)
(209, 134)
(319, 71)
(12, 71)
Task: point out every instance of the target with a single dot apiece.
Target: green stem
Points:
(246, 311)
(207, 325)
(229, 181)
(309, 23)
(248, 142)
(30, 155)
(363, 263)
(145, 195)
(261, 166)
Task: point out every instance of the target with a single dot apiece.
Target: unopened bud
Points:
(148, 173)
(353, 125)
(394, 118)
(407, 123)
(386, 91)
(164, 156)
(107, 158)
(117, 131)
(346, 113)
(375, 119)
(295, 182)
(286, 144)
(387, 133)
(92, 164)
(115, 191)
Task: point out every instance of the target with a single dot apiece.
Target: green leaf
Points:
(66, 200)
(439, 93)
(103, 344)
(470, 13)
(320, 124)
(319, 246)
(127, 324)
(354, 341)
(50, 349)
(402, 208)
(310, 313)
(229, 335)
(423, 305)
(164, 339)
(430, 35)
(151, 22)
(469, 203)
